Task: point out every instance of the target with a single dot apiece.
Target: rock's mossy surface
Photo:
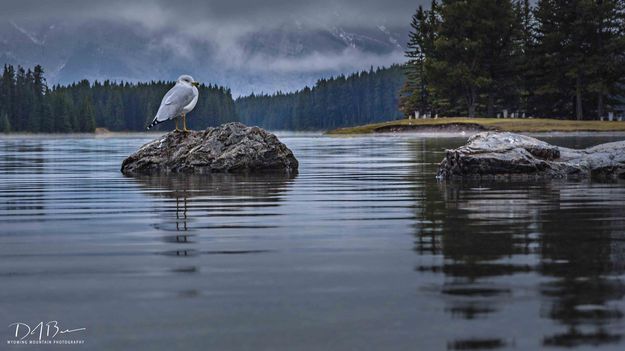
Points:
(493, 155)
(231, 148)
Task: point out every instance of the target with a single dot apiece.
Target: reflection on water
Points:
(586, 264)
(364, 250)
(493, 236)
(199, 194)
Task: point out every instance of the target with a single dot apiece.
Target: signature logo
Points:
(41, 330)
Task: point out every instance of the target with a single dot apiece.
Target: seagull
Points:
(178, 101)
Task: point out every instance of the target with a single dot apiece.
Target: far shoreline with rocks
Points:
(472, 125)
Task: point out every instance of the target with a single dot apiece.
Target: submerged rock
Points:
(232, 147)
(493, 155)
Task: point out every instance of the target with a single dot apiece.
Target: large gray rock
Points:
(232, 147)
(494, 155)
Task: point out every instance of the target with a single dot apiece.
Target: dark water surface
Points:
(363, 250)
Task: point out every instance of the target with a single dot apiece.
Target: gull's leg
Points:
(177, 130)
(184, 122)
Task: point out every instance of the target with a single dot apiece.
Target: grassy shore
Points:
(528, 125)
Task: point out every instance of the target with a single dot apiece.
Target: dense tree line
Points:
(363, 97)
(562, 59)
(27, 104)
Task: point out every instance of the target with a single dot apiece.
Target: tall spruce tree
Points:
(607, 72)
(562, 35)
(5, 124)
(86, 116)
(523, 44)
(499, 28)
(61, 110)
(414, 91)
(471, 54)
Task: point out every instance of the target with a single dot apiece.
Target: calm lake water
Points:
(362, 250)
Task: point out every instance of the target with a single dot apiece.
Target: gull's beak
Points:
(196, 84)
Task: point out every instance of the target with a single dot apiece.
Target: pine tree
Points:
(499, 28)
(86, 116)
(5, 124)
(470, 57)
(61, 110)
(522, 50)
(8, 92)
(115, 110)
(414, 91)
(607, 71)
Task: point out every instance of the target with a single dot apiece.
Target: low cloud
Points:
(216, 20)
(223, 31)
(349, 59)
(243, 14)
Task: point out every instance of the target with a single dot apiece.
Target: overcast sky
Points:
(227, 14)
(222, 23)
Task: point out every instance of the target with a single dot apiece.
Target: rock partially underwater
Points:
(494, 155)
(229, 148)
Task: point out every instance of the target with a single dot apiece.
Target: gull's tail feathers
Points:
(154, 122)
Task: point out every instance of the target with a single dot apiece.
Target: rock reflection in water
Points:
(189, 202)
(202, 196)
(585, 264)
(487, 231)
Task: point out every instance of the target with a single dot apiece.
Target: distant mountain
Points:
(285, 59)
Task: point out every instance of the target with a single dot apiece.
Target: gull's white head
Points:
(187, 79)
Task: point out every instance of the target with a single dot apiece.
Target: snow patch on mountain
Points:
(28, 34)
(391, 38)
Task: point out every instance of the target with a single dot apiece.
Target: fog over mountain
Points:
(250, 46)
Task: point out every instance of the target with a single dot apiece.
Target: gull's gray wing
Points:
(173, 103)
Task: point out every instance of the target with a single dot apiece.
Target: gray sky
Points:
(240, 14)
(225, 27)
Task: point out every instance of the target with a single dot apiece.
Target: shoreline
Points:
(475, 125)
(444, 125)
(22, 135)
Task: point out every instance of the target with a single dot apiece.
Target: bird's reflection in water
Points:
(199, 199)
(181, 215)
(193, 207)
